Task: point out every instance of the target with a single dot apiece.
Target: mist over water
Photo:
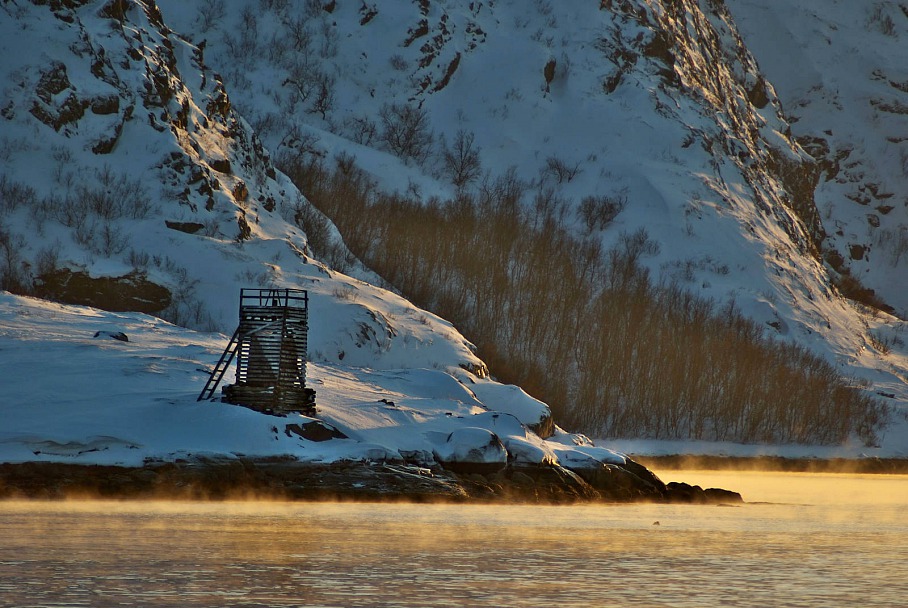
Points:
(802, 540)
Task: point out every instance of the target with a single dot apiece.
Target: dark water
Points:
(826, 540)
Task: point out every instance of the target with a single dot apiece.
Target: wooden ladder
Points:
(218, 372)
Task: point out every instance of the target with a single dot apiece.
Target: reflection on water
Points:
(835, 540)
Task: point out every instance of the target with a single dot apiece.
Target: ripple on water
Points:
(791, 550)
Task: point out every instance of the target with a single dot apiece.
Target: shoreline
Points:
(287, 479)
(780, 464)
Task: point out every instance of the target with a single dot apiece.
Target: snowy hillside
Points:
(181, 206)
(100, 400)
(128, 181)
(139, 155)
(661, 105)
(838, 70)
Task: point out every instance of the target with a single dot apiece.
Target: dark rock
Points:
(105, 104)
(53, 81)
(105, 144)
(548, 72)
(643, 473)
(240, 191)
(245, 230)
(116, 335)
(58, 115)
(522, 479)
(115, 9)
(187, 227)
(315, 430)
(287, 478)
(131, 292)
(718, 495)
(545, 428)
(616, 483)
(676, 491)
(757, 94)
(550, 484)
(221, 165)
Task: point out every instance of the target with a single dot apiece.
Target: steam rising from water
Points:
(823, 539)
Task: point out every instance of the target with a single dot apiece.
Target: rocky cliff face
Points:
(115, 127)
(837, 70)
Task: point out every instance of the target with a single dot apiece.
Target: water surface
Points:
(802, 540)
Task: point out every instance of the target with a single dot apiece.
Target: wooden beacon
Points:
(270, 346)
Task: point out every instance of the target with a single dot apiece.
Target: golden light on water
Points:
(801, 540)
(801, 488)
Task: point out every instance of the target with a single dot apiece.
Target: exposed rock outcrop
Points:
(286, 478)
(130, 292)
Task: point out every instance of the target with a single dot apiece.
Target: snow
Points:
(837, 69)
(394, 378)
(694, 200)
(72, 397)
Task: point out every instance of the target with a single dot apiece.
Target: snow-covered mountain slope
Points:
(129, 181)
(137, 143)
(838, 69)
(181, 203)
(658, 103)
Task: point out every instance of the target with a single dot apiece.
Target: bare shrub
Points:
(14, 194)
(211, 227)
(85, 235)
(895, 242)
(406, 131)
(880, 342)
(111, 240)
(324, 94)
(299, 34)
(587, 330)
(880, 20)
(309, 85)
(398, 63)
(48, 259)
(345, 292)
(598, 212)
(560, 170)
(316, 226)
(275, 6)
(139, 260)
(210, 13)
(14, 270)
(186, 309)
(313, 8)
(362, 130)
(115, 196)
(461, 161)
(330, 41)
(852, 288)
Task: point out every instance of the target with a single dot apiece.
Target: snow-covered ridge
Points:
(111, 104)
(837, 68)
(661, 103)
(186, 197)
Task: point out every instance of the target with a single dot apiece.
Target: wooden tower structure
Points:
(270, 345)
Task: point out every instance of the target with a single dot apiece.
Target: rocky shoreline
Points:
(289, 479)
